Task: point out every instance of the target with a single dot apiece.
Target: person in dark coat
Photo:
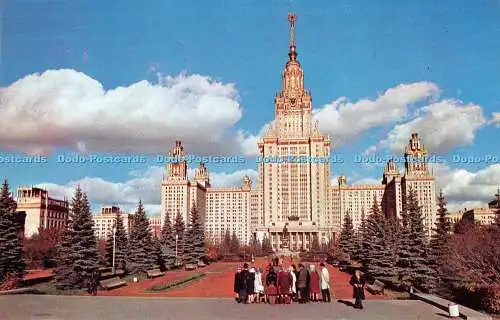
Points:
(308, 286)
(237, 283)
(358, 289)
(284, 284)
(271, 289)
(271, 277)
(243, 283)
(93, 283)
(251, 285)
(302, 283)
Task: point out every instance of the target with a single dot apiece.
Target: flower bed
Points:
(175, 283)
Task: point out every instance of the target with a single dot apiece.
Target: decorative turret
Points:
(177, 164)
(416, 161)
(391, 172)
(342, 180)
(247, 183)
(202, 176)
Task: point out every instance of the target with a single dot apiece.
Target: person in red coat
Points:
(284, 285)
(314, 289)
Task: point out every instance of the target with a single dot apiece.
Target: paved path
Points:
(32, 307)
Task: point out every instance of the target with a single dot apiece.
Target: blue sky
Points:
(440, 61)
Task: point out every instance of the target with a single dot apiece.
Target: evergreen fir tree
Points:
(141, 253)
(180, 233)
(359, 234)
(440, 238)
(11, 262)
(347, 240)
(413, 256)
(257, 247)
(195, 240)
(266, 246)
(158, 254)
(234, 246)
(226, 243)
(376, 244)
(120, 244)
(404, 256)
(390, 245)
(78, 257)
(168, 242)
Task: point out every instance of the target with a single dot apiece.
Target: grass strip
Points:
(174, 283)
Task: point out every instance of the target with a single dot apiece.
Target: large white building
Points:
(293, 187)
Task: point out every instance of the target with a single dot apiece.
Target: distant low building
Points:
(105, 220)
(155, 225)
(484, 216)
(42, 211)
(455, 217)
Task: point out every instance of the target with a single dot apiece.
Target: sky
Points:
(84, 79)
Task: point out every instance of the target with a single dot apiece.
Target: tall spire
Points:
(293, 53)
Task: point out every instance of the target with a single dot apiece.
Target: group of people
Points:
(297, 283)
(282, 285)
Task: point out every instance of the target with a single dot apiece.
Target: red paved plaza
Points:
(218, 283)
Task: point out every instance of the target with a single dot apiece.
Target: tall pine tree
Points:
(347, 240)
(195, 238)
(439, 244)
(413, 253)
(142, 253)
(11, 262)
(78, 256)
(266, 245)
(168, 242)
(120, 245)
(359, 236)
(376, 248)
(180, 233)
(234, 246)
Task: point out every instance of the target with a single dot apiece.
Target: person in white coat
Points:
(325, 283)
(294, 280)
(259, 286)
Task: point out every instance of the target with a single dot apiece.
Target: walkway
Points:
(33, 307)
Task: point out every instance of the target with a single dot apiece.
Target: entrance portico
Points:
(299, 238)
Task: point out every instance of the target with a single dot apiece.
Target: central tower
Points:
(294, 176)
(293, 104)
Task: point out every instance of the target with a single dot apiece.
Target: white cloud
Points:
(365, 181)
(143, 186)
(66, 108)
(442, 126)
(496, 119)
(345, 120)
(467, 189)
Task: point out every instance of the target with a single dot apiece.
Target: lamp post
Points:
(176, 241)
(114, 247)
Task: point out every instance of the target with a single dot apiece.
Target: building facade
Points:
(42, 211)
(105, 220)
(293, 188)
(484, 216)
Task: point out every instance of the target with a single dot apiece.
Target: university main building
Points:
(297, 195)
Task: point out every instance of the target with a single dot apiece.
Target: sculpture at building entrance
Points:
(285, 237)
